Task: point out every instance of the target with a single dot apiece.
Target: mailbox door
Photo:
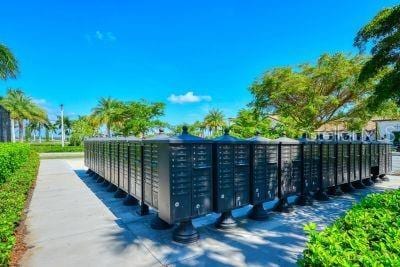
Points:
(351, 162)
(315, 166)
(325, 165)
(225, 177)
(295, 177)
(202, 179)
(271, 171)
(181, 182)
(259, 186)
(138, 170)
(332, 164)
(241, 174)
(357, 160)
(148, 193)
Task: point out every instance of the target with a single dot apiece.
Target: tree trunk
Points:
(40, 134)
(21, 130)
(108, 130)
(12, 125)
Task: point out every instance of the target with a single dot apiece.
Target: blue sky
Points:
(73, 52)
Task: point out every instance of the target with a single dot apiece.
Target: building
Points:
(5, 125)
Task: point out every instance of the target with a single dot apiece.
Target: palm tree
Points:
(22, 108)
(67, 124)
(108, 112)
(51, 129)
(8, 63)
(214, 120)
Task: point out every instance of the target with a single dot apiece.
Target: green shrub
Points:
(13, 194)
(12, 156)
(367, 235)
(51, 148)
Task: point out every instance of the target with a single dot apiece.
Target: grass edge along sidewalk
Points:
(367, 235)
(14, 191)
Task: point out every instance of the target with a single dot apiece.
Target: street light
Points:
(62, 125)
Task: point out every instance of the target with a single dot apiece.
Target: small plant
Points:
(367, 235)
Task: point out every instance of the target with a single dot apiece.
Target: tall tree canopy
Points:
(214, 121)
(383, 33)
(8, 63)
(139, 117)
(309, 96)
(108, 112)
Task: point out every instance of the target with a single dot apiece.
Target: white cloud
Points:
(101, 37)
(40, 101)
(189, 97)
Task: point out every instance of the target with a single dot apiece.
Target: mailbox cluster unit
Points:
(184, 177)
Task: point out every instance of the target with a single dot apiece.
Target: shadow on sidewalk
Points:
(279, 240)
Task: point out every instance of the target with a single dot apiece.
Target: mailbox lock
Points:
(198, 206)
(176, 204)
(222, 196)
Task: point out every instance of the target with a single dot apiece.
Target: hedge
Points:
(13, 193)
(12, 156)
(51, 148)
(367, 235)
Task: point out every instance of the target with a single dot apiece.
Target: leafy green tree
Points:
(81, 128)
(197, 128)
(248, 122)
(67, 125)
(108, 112)
(309, 96)
(383, 34)
(8, 63)
(139, 117)
(22, 109)
(214, 121)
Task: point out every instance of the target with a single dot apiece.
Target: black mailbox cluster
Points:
(184, 177)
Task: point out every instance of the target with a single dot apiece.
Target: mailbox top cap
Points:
(184, 137)
(287, 140)
(227, 138)
(258, 139)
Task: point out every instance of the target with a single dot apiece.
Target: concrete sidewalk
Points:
(73, 221)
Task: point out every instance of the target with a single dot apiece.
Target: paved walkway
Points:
(72, 221)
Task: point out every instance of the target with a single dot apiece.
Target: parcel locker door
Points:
(242, 175)
(259, 186)
(202, 179)
(340, 164)
(225, 177)
(357, 161)
(181, 183)
(271, 171)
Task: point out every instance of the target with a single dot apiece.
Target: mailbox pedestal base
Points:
(120, 193)
(258, 213)
(335, 191)
(304, 200)
(158, 224)
(130, 201)
(226, 221)
(105, 183)
(89, 171)
(359, 184)
(348, 188)
(376, 179)
(283, 206)
(185, 233)
(112, 188)
(321, 195)
(143, 210)
(383, 177)
(368, 182)
(99, 179)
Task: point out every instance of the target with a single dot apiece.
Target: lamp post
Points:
(62, 125)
